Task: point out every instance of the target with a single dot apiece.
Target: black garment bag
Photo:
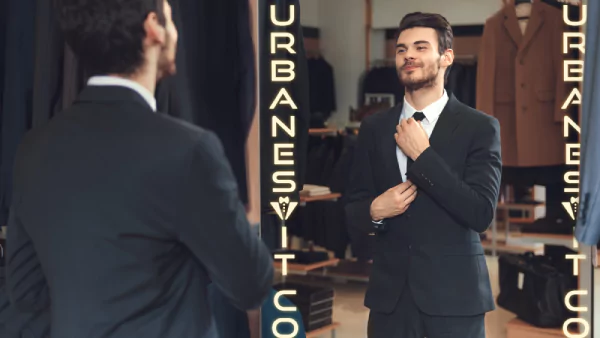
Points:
(534, 288)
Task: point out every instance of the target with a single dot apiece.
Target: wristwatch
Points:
(379, 225)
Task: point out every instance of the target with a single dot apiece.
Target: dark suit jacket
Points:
(122, 217)
(434, 247)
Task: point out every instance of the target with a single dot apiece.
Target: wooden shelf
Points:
(324, 329)
(304, 268)
(518, 206)
(332, 196)
(322, 131)
(546, 238)
(517, 328)
(501, 246)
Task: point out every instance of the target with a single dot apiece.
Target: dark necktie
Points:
(418, 116)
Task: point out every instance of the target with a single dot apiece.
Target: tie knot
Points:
(418, 116)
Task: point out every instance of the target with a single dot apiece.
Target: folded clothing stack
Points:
(314, 190)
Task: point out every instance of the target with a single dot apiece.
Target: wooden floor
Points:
(352, 316)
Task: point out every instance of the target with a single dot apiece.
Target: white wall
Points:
(309, 13)
(388, 13)
(342, 24)
(342, 29)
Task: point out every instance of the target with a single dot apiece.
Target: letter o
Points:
(586, 329)
(285, 320)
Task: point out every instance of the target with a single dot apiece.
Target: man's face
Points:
(166, 61)
(418, 61)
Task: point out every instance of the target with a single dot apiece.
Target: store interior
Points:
(350, 48)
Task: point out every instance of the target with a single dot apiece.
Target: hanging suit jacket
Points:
(49, 65)
(520, 82)
(433, 247)
(381, 80)
(220, 72)
(462, 82)
(299, 92)
(587, 230)
(132, 214)
(322, 91)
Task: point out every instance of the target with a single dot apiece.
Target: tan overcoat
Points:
(520, 82)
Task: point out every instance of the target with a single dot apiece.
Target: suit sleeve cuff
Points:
(422, 172)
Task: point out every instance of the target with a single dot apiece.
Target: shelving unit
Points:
(505, 208)
(318, 267)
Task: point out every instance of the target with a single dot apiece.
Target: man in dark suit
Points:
(121, 217)
(427, 189)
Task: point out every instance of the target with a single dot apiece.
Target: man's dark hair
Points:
(430, 20)
(107, 35)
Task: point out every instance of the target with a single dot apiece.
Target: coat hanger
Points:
(519, 2)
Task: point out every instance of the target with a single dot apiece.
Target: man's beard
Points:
(430, 75)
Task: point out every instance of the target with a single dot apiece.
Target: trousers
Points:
(407, 321)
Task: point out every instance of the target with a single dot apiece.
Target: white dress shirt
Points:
(119, 81)
(432, 114)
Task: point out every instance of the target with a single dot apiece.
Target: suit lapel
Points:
(446, 124)
(512, 25)
(389, 145)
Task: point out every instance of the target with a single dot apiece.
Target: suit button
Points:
(522, 85)
(408, 215)
(524, 108)
(409, 247)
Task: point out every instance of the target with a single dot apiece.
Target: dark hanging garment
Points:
(217, 70)
(322, 91)
(73, 79)
(298, 91)
(48, 65)
(17, 88)
(247, 82)
(382, 80)
(462, 82)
